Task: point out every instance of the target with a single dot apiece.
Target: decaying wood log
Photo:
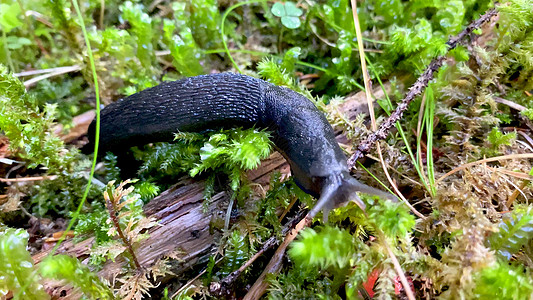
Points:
(185, 230)
(184, 233)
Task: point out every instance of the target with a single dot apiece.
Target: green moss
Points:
(503, 281)
(64, 267)
(30, 127)
(17, 272)
(324, 247)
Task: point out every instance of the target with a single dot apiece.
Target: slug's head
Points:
(338, 189)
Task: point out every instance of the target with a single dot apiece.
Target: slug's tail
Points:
(339, 190)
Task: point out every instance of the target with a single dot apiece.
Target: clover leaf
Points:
(289, 14)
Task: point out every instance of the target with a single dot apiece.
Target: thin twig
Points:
(331, 44)
(22, 179)
(398, 268)
(24, 211)
(515, 174)
(511, 104)
(415, 90)
(515, 194)
(102, 14)
(41, 71)
(59, 71)
(399, 173)
(516, 187)
(528, 138)
(223, 287)
(181, 289)
(39, 17)
(275, 264)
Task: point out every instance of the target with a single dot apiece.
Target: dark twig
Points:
(276, 262)
(223, 287)
(415, 90)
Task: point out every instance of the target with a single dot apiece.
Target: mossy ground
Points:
(472, 234)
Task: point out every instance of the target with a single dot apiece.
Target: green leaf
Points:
(290, 58)
(29, 127)
(390, 10)
(237, 252)
(141, 27)
(289, 14)
(460, 53)
(64, 267)
(290, 22)
(271, 71)
(391, 217)
(94, 224)
(528, 113)
(235, 150)
(204, 22)
(292, 10)
(451, 18)
(14, 42)
(278, 9)
(515, 230)
(181, 44)
(9, 16)
(147, 190)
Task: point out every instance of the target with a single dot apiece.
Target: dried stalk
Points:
(223, 287)
(276, 263)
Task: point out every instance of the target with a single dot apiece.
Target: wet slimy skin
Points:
(301, 133)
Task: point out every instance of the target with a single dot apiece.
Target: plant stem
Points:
(8, 54)
(102, 13)
(222, 31)
(113, 213)
(399, 127)
(429, 115)
(97, 131)
(397, 267)
(96, 142)
(368, 91)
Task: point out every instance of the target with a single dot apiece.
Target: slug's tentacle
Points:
(300, 132)
(341, 189)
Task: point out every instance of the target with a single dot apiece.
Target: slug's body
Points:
(300, 132)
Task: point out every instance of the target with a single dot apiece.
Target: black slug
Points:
(300, 131)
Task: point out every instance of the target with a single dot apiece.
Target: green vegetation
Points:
(16, 266)
(475, 238)
(28, 126)
(64, 267)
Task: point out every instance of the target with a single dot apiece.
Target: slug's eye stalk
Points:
(339, 190)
